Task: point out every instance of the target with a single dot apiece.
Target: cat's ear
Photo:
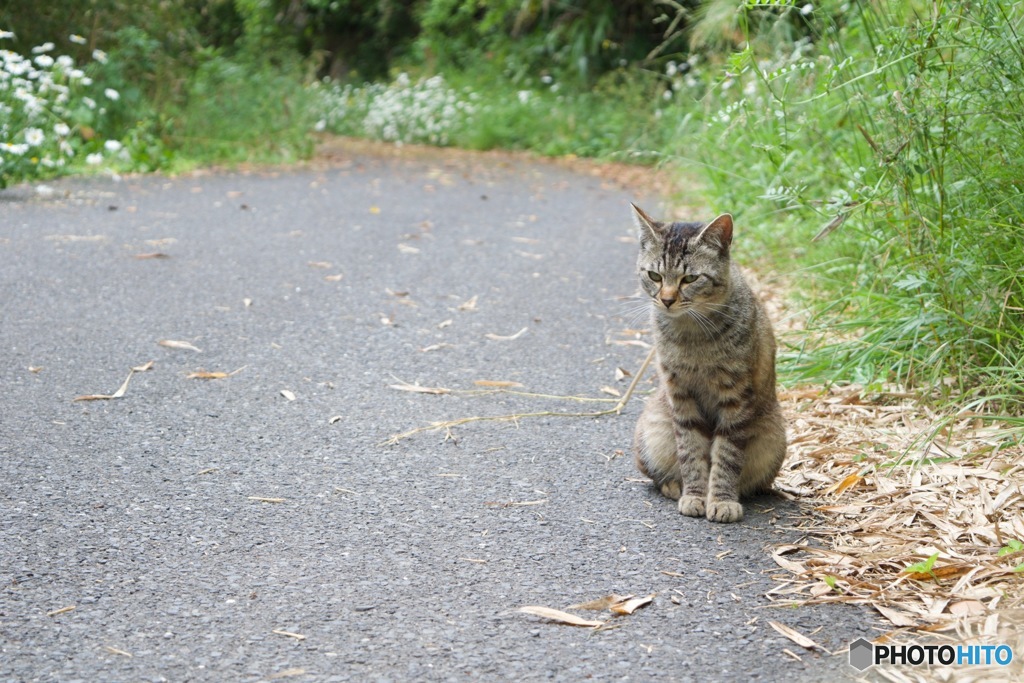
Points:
(650, 229)
(718, 232)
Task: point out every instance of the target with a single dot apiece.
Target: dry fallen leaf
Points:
(797, 637)
(374, 209)
(611, 391)
(203, 374)
(296, 636)
(840, 486)
(896, 617)
(416, 388)
(145, 367)
(320, 264)
(334, 278)
(288, 394)
(62, 610)
(288, 673)
(621, 374)
(173, 344)
(152, 255)
(408, 248)
(559, 616)
(498, 337)
(104, 397)
(495, 383)
(469, 305)
(630, 605)
(967, 608)
(261, 499)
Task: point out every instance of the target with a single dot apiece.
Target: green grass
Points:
(902, 127)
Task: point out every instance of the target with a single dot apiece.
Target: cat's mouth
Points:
(674, 309)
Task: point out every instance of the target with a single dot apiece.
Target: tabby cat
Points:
(713, 430)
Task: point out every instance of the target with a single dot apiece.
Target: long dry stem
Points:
(448, 424)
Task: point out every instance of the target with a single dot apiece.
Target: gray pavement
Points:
(403, 562)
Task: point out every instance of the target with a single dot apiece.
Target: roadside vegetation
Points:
(872, 151)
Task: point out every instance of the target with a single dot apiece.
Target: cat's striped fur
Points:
(713, 430)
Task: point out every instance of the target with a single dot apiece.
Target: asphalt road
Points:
(153, 516)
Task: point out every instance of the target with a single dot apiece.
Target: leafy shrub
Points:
(427, 111)
(51, 112)
(901, 132)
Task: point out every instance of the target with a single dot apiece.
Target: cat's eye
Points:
(655, 277)
(687, 279)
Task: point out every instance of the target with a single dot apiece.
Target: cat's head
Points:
(684, 266)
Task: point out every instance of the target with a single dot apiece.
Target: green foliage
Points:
(902, 131)
(1012, 546)
(571, 40)
(241, 109)
(204, 80)
(924, 566)
(620, 117)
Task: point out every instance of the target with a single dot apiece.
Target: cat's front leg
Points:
(727, 456)
(693, 448)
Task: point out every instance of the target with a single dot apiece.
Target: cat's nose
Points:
(668, 301)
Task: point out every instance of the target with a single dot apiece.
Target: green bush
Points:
(897, 135)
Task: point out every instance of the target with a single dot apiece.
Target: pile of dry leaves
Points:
(922, 523)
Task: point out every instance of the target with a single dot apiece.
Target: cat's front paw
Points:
(691, 506)
(671, 489)
(724, 511)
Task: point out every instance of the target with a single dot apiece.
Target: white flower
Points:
(94, 159)
(45, 61)
(671, 69)
(15, 149)
(34, 137)
(77, 39)
(524, 96)
(807, 9)
(45, 47)
(65, 62)
(6, 34)
(112, 94)
(112, 145)
(100, 56)
(89, 102)
(61, 129)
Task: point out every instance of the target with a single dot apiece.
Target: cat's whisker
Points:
(637, 310)
(702, 321)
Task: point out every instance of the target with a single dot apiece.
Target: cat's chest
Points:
(698, 370)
